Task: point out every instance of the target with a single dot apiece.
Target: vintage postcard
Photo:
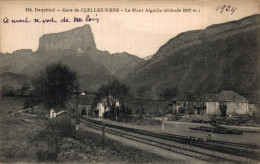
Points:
(127, 81)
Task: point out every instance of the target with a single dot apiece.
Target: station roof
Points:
(231, 96)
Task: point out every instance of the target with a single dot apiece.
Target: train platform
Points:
(243, 127)
(248, 137)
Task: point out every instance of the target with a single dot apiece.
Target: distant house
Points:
(179, 104)
(232, 103)
(85, 104)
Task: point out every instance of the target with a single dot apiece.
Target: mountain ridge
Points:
(187, 39)
(226, 58)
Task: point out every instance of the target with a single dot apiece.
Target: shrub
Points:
(47, 143)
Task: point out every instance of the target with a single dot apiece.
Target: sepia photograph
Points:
(127, 81)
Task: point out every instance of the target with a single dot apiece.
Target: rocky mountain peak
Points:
(80, 38)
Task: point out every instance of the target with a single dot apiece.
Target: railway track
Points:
(206, 150)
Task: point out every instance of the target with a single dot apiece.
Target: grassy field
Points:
(25, 139)
(113, 152)
(8, 104)
(16, 139)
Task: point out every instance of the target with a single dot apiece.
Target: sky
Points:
(138, 33)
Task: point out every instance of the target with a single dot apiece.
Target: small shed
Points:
(63, 119)
(52, 113)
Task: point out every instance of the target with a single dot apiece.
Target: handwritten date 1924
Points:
(227, 8)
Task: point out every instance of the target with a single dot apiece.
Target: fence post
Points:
(77, 125)
(103, 135)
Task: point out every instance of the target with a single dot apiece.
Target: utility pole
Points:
(162, 122)
(246, 112)
(162, 113)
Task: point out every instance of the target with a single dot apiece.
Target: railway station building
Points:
(223, 104)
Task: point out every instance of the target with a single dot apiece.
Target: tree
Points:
(55, 84)
(112, 92)
(103, 96)
(168, 93)
(141, 94)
